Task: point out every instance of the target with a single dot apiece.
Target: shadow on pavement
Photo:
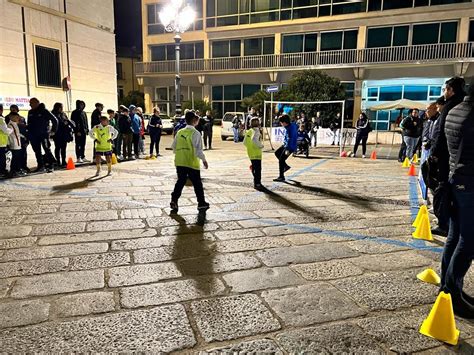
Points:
(66, 188)
(192, 254)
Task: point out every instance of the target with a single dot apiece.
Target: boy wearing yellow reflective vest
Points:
(103, 135)
(5, 131)
(187, 146)
(254, 150)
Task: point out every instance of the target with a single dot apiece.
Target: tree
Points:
(199, 105)
(135, 98)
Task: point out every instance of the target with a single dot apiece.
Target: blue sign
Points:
(273, 88)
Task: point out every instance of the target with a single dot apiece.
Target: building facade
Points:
(126, 78)
(58, 51)
(381, 50)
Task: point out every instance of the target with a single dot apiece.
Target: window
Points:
(331, 41)
(249, 90)
(435, 92)
(471, 31)
(390, 93)
(232, 92)
(416, 92)
(217, 93)
(120, 92)
(228, 98)
(398, 4)
(154, 25)
(387, 36)
(372, 94)
(120, 75)
(221, 49)
(300, 43)
(48, 67)
(258, 46)
(433, 33)
(168, 51)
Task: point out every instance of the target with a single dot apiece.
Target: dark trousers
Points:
(459, 248)
(37, 144)
(80, 145)
(3, 160)
(257, 171)
(16, 161)
(60, 152)
(127, 139)
(208, 138)
(155, 138)
(440, 206)
(282, 156)
(360, 138)
(185, 173)
(24, 156)
(403, 151)
(136, 141)
(118, 145)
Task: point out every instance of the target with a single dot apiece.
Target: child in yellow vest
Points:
(254, 147)
(103, 135)
(187, 146)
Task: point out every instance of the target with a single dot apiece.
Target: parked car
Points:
(167, 121)
(227, 125)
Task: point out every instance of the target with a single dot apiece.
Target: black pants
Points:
(60, 152)
(80, 145)
(155, 138)
(127, 139)
(282, 156)
(403, 151)
(257, 171)
(136, 141)
(3, 160)
(441, 206)
(37, 144)
(16, 161)
(24, 156)
(118, 145)
(208, 138)
(195, 176)
(360, 138)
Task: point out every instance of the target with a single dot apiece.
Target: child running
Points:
(254, 150)
(103, 135)
(187, 146)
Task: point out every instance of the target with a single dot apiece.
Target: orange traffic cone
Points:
(440, 323)
(374, 155)
(412, 171)
(70, 164)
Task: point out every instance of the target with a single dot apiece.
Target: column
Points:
(463, 32)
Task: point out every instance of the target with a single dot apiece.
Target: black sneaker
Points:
(279, 179)
(287, 168)
(258, 187)
(462, 308)
(203, 206)
(174, 207)
(439, 231)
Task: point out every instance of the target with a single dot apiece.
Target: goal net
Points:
(329, 116)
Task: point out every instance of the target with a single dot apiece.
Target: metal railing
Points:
(430, 53)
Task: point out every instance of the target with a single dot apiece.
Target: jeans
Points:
(155, 138)
(208, 138)
(37, 143)
(459, 248)
(136, 141)
(118, 145)
(257, 171)
(80, 145)
(411, 144)
(236, 134)
(127, 139)
(3, 160)
(60, 152)
(360, 138)
(195, 176)
(141, 144)
(282, 156)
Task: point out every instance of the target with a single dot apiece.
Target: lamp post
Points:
(177, 17)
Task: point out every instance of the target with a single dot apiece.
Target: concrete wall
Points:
(91, 42)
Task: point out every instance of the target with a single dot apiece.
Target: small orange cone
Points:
(70, 164)
(421, 212)
(423, 231)
(343, 154)
(374, 155)
(440, 323)
(412, 171)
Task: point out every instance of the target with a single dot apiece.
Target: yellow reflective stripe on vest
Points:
(253, 151)
(3, 136)
(185, 154)
(102, 135)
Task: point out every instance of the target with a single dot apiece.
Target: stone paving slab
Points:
(33, 267)
(394, 261)
(96, 261)
(14, 231)
(18, 313)
(215, 264)
(260, 346)
(162, 329)
(142, 274)
(97, 236)
(327, 270)
(83, 304)
(228, 318)
(17, 242)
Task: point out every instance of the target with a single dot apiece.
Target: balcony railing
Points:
(430, 53)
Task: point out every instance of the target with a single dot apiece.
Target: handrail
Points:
(428, 53)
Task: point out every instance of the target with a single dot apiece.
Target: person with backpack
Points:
(363, 129)
(64, 134)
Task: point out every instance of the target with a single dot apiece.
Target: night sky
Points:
(128, 24)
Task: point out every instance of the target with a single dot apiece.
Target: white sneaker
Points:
(80, 161)
(363, 157)
(85, 160)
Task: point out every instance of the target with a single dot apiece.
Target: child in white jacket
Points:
(14, 144)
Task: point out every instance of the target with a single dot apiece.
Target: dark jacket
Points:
(95, 117)
(155, 125)
(291, 137)
(39, 123)
(125, 124)
(460, 127)
(65, 131)
(79, 117)
(302, 136)
(363, 127)
(412, 126)
(209, 123)
(427, 135)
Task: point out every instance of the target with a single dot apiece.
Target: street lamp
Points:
(177, 17)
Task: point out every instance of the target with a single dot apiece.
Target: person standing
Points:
(155, 127)
(136, 124)
(459, 247)
(95, 119)
(250, 115)
(14, 144)
(64, 134)
(141, 141)
(187, 146)
(79, 117)
(113, 121)
(412, 127)
(254, 145)
(208, 126)
(125, 129)
(5, 131)
(22, 126)
(41, 123)
(236, 123)
(315, 124)
(103, 135)
(289, 145)
(363, 130)
(335, 127)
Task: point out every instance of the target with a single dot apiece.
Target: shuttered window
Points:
(48, 67)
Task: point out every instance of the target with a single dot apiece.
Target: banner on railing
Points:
(325, 136)
(22, 102)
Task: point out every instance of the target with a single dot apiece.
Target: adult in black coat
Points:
(79, 117)
(64, 134)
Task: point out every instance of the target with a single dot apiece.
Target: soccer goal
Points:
(328, 112)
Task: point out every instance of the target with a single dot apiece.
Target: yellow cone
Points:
(440, 323)
(423, 231)
(415, 159)
(114, 159)
(406, 163)
(422, 211)
(429, 276)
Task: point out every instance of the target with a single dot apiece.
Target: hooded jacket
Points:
(39, 121)
(79, 117)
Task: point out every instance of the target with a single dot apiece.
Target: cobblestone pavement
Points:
(324, 263)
